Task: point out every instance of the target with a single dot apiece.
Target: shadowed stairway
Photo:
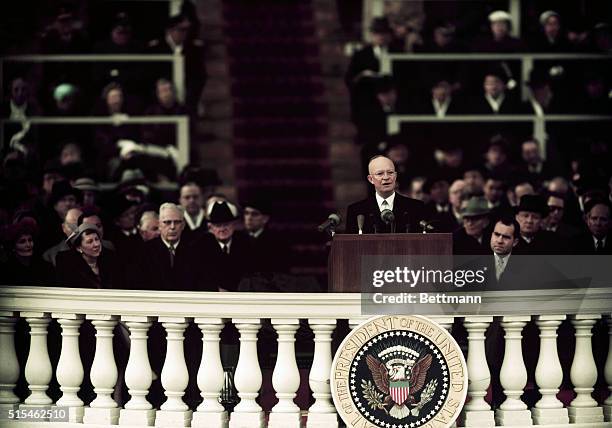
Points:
(280, 120)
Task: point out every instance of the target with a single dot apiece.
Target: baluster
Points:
(9, 369)
(174, 375)
(549, 374)
(608, 373)
(103, 409)
(322, 414)
(38, 369)
(513, 375)
(248, 377)
(477, 412)
(69, 371)
(447, 323)
(286, 376)
(138, 374)
(583, 408)
(210, 413)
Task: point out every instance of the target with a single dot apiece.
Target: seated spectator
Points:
(406, 32)
(596, 94)
(451, 220)
(23, 266)
(473, 177)
(597, 214)
(405, 164)
(165, 104)
(225, 256)
(450, 162)
(495, 194)
(437, 189)
(442, 40)
(69, 225)
(551, 38)
(148, 226)
(92, 216)
(499, 39)
(177, 42)
(474, 237)
(518, 190)
(554, 221)
(417, 189)
(496, 99)
(63, 198)
(20, 105)
(602, 37)
(120, 41)
(496, 157)
(88, 264)
(269, 251)
(70, 153)
(63, 37)
(440, 101)
(191, 199)
(530, 212)
(89, 191)
(545, 99)
(532, 168)
(366, 63)
(66, 100)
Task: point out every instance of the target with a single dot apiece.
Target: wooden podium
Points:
(344, 264)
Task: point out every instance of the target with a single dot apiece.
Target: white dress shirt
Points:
(389, 205)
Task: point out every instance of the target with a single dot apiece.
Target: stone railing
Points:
(137, 311)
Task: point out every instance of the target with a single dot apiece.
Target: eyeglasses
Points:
(554, 208)
(381, 174)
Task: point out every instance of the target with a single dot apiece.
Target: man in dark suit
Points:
(530, 212)
(504, 238)
(495, 98)
(225, 256)
(269, 252)
(555, 222)
(533, 168)
(597, 217)
(473, 237)
(167, 262)
(407, 212)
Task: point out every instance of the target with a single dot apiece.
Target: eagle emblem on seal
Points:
(399, 375)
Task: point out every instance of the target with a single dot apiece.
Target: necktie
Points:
(225, 249)
(171, 251)
(500, 267)
(385, 205)
(599, 246)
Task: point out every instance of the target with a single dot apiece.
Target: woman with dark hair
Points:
(23, 266)
(88, 264)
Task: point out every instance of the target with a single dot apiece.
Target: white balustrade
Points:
(103, 409)
(584, 409)
(69, 372)
(513, 375)
(210, 413)
(9, 369)
(248, 377)
(477, 412)
(285, 377)
(549, 374)
(38, 370)
(138, 374)
(322, 414)
(608, 374)
(174, 376)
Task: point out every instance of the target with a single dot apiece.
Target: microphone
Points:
(360, 221)
(332, 221)
(387, 216)
(425, 226)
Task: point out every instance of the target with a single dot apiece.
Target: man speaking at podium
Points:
(386, 211)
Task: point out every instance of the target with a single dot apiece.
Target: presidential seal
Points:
(400, 372)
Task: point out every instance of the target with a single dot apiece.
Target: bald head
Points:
(71, 221)
(382, 175)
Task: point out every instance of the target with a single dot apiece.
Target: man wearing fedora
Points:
(597, 241)
(225, 255)
(530, 212)
(473, 236)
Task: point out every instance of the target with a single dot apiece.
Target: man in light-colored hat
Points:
(474, 236)
(89, 190)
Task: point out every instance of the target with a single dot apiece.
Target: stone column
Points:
(322, 414)
(69, 367)
(210, 413)
(248, 377)
(174, 375)
(103, 409)
(38, 369)
(138, 374)
(477, 412)
(549, 374)
(584, 409)
(9, 369)
(608, 373)
(286, 376)
(513, 375)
